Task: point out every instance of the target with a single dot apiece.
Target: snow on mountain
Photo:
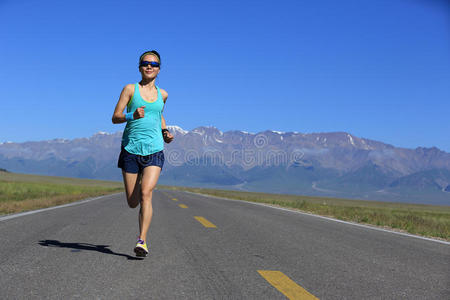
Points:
(351, 139)
(198, 131)
(178, 129)
(279, 132)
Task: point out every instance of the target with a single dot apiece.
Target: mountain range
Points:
(334, 164)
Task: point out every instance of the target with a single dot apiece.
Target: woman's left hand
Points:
(168, 137)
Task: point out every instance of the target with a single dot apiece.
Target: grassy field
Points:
(425, 220)
(22, 192)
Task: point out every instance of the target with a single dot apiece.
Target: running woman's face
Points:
(149, 72)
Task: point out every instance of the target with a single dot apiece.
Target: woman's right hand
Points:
(139, 113)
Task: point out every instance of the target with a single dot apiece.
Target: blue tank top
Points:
(143, 136)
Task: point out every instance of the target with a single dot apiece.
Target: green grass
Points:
(21, 192)
(425, 220)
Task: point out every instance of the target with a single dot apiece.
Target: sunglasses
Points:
(152, 64)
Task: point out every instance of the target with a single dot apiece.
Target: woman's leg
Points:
(149, 179)
(132, 188)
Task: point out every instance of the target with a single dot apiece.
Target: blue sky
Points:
(376, 69)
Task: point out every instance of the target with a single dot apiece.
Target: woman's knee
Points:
(147, 194)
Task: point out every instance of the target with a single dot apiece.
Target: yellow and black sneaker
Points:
(141, 249)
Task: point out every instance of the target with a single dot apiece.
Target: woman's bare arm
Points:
(165, 95)
(118, 116)
(163, 123)
(168, 136)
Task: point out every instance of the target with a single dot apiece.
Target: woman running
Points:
(141, 158)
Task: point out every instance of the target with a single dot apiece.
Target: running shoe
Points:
(141, 249)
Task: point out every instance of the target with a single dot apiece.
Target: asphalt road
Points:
(86, 251)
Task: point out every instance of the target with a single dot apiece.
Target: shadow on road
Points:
(84, 246)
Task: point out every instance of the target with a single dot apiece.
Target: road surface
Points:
(208, 248)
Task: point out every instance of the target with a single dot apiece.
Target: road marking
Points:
(174, 199)
(285, 285)
(182, 205)
(7, 217)
(205, 222)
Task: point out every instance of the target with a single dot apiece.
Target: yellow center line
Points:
(285, 285)
(174, 199)
(182, 205)
(205, 222)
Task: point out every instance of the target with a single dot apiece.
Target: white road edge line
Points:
(328, 218)
(12, 216)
